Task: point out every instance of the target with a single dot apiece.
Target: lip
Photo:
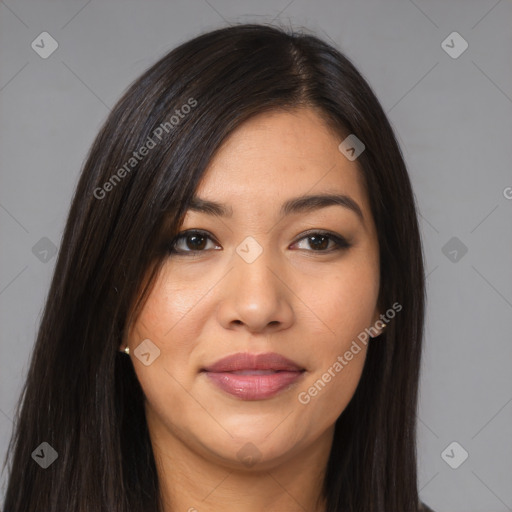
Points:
(248, 361)
(257, 377)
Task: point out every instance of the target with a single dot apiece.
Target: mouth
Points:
(254, 384)
(254, 376)
(246, 361)
(254, 372)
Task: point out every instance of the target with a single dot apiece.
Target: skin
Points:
(294, 299)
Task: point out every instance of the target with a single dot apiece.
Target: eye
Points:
(195, 240)
(319, 241)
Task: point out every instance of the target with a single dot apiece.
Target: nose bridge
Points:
(253, 268)
(256, 296)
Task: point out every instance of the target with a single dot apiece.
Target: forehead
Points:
(277, 155)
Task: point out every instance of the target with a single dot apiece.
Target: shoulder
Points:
(424, 508)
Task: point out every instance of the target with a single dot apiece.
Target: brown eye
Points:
(195, 242)
(319, 241)
(189, 242)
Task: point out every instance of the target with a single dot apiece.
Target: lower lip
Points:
(254, 387)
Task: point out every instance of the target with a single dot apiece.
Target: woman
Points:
(236, 315)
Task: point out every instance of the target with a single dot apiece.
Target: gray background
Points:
(453, 120)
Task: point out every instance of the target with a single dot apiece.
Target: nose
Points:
(255, 295)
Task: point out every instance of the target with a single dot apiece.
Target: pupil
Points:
(196, 246)
(321, 245)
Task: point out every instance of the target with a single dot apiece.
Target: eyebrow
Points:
(294, 205)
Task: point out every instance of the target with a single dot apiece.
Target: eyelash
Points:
(340, 242)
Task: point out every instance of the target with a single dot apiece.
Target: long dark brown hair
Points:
(81, 394)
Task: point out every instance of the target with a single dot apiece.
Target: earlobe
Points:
(378, 324)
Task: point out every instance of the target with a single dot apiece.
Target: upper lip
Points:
(247, 361)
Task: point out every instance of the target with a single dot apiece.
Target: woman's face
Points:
(261, 279)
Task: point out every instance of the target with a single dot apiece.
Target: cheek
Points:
(344, 303)
(327, 394)
(343, 299)
(164, 321)
(338, 358)
(167, 315)
(167, 380)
